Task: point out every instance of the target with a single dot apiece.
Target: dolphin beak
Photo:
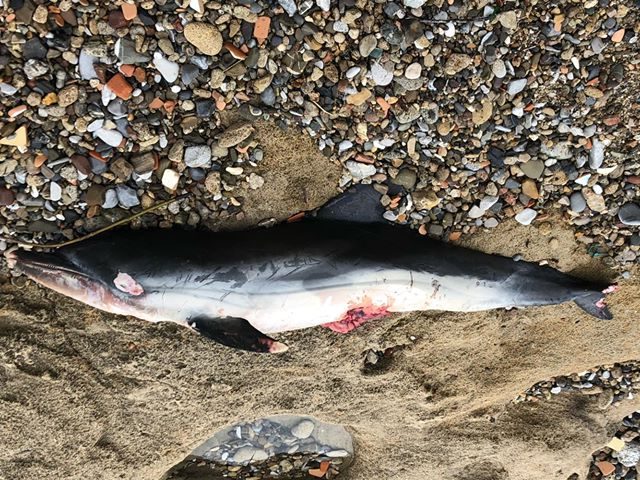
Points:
(53, 271)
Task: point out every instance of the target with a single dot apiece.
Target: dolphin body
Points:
(237, 287)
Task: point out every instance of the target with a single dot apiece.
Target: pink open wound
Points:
(356, 317)
(125, 283)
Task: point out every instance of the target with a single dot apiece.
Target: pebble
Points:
(578, 203)
(594, 200)
(629, 456)
(289, 6)
(16, 139)
(526, 216)
(516, 86)
(204, 36)
(425, 199)
(303, 429)
(499, 69)
(406, 178)
(367, 45)
(127, 196)
(381, 76)
(560, 150)
(414, 3)
(235, 134)
(629, 214)
(413, 71)
(197, 156)
(359, 170)
(486, 203)
(110, 137)
(456, 63)
(532, 168)
(596, 156)
(68, 95)
(168, 69)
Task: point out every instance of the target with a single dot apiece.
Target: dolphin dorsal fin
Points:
(360, 203)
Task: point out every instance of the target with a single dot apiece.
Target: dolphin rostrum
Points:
(237, 287)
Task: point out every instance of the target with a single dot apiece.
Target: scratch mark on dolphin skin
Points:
(411, 276)
(234, 275)
(436, 285)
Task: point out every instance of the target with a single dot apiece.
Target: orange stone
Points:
(119, 85)
(316, 472)
(607, 468)
(50, 99)
(156, 103)
(39, 160)
(14, 112)
(633, 179)
(261, 29)
(59, 19)
(97, 156)
(169, 105)
(618, 36)
(422, 229)
(127, 70)
(129, 10)
(235, 51)
(362, 158)
(611, 121)
(455, 236)
(140, 74)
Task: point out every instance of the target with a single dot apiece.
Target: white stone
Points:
(197, 156)
(499, 69)
(303, 429)
(414, 3)
(560, 150)
(325, 5)
(526, 216)
(596, 156)
(110, 199)
(95, 125)
(110, 137)
(85, 66)
(168, 69)
(197, 5)
(485, 204)
(170, 179)
(413, 71)
(516, 86)
(360, 170)
(55, 192)
(7, 89)
(583, 180)
(381, 76)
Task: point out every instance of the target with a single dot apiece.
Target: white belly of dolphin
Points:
(273, 307)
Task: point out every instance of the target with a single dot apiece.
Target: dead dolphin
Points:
(236, 287)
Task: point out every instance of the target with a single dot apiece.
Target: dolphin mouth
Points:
(38, 264)
(56, 272)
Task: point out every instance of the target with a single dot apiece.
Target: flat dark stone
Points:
(34, 49)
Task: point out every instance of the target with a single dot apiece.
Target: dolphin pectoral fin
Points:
(236, 333)
(360, 203)
(594, 305)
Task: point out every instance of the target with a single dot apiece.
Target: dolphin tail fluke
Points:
(594, 305)
(236, 333)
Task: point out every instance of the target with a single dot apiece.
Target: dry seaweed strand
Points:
(124, 221)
